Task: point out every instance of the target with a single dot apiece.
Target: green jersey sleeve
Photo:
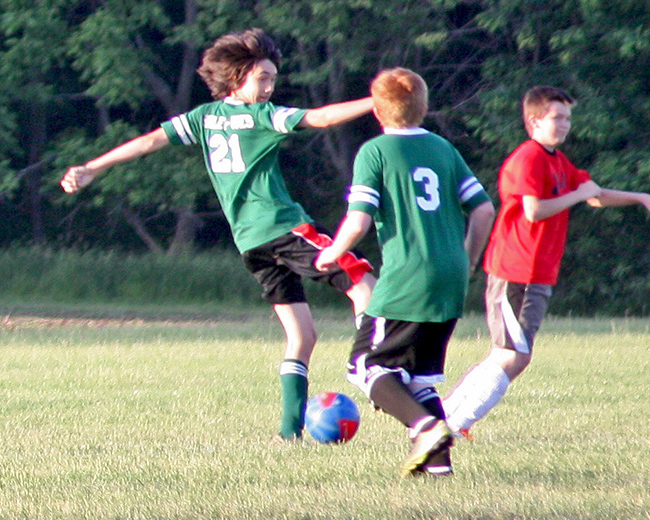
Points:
(470, 191)
(367, 180)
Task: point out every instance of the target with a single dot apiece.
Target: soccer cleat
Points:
(438, 464)
(464, 434)
(427, 444)
(279, 440)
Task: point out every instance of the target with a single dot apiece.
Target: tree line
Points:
(79, 77)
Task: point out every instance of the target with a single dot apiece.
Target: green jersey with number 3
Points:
(240, 145)
(419, 190)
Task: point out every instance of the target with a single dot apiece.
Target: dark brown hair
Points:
(227, 62)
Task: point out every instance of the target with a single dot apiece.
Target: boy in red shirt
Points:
(537, 186)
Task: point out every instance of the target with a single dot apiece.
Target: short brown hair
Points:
(400, 97)
(227, 62)
(537, 99)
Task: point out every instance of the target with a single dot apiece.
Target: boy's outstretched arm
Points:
(79, 177)
(479, 226)
(536, 209)
(614, 198)
(353, 228)
(337, 113)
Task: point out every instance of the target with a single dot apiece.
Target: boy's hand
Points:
(76, 178)
(326, 260)
(644, 198)
(588, 190)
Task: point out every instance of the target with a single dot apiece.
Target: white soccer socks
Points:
(480, 389)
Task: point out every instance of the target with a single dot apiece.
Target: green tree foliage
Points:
(31, 68)
(79, 77)
(333, 48)
(598, 51)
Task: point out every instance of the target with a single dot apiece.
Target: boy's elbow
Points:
(533, 214)
(532, 209)
(315, 118)
(359, 229)
(485, 212)
(358, 223)
(489, 212)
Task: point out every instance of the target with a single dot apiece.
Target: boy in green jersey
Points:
(432, 218)
(240, 135)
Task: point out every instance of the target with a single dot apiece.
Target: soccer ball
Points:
(331, 417)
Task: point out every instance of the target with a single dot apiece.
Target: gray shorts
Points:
(515, 312)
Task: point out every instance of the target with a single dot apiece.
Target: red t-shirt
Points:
(519, 250)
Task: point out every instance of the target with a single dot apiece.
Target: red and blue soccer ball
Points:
(331, 417)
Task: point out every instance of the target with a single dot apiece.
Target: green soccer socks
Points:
(293, 379)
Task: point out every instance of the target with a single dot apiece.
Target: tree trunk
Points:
(37, 138)
(138, 226)
(187, 224)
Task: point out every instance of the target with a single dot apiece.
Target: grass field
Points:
(113, 414)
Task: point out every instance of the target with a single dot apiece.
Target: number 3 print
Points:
(431, 185)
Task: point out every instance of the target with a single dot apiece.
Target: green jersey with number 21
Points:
(240, 144)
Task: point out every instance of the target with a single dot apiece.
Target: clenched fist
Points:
(76, 178)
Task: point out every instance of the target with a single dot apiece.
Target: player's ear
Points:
(376, 114)
(530, 124)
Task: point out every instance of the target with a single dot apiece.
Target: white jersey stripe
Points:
(279, 119)
(182, 129)
(364, 189)
(360, 193)
(469, 188)
(188, 129)
(379, 333)
(363, 197)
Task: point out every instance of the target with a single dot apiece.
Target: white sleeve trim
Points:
(182, 128)
(468, 188)
(360, 193)
(279, 119)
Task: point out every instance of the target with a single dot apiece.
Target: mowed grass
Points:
(155, 418)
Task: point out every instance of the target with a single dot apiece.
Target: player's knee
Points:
(517, 365)
(308, 339)
(361, 292)
(368, 281)
(300, 346)
(364, 377)
(520, 362)
(512, 362)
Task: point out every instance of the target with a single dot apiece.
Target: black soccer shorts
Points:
(279, 265)
(416, 349)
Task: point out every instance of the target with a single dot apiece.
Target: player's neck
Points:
(549, 148)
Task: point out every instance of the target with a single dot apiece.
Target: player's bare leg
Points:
(298, 325)
(360, 293)
(512, 362)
